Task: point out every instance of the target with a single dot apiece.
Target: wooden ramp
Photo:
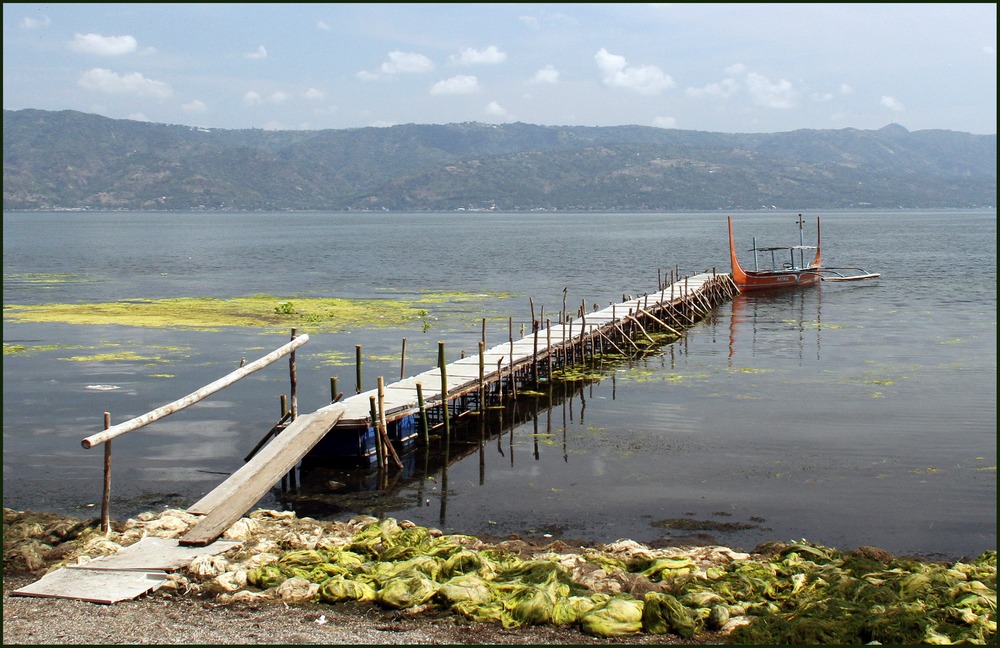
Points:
(235, 496)
(135, 570)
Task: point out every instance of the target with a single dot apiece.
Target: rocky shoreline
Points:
(268, 591)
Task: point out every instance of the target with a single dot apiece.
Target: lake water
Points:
(846, 414)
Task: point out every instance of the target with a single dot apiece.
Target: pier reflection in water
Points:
(326, 489)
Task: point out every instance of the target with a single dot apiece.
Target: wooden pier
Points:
(451, 390)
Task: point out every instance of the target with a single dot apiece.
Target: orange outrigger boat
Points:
(791, 273)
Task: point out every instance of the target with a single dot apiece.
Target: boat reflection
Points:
(760, 323)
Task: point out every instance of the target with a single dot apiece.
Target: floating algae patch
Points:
(10, 348)
(117, 356)
(206, 313)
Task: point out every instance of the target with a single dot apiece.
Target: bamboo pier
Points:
(369, 426)
(399, 413)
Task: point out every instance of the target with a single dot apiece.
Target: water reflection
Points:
(759, 320)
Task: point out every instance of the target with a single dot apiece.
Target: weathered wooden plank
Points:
(96, 586)
(155, 554)
(231, 499)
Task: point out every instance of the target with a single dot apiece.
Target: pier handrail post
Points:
(293, 377)
(194, 397)
(106, 498)
(423, 414)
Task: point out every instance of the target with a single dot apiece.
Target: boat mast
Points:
(802, 252)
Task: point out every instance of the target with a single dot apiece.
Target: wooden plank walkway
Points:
(230, 500)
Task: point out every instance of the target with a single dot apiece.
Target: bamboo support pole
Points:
(193, 397)
(641, 327)
(106, 497)
(402, 361)
(383, 426)
(663, 324)
(444, 395)
(548, 347)
(379, 450)
(294, 380)
(423, 414)
(482, 378)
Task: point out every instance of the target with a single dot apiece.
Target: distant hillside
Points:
(73, 160)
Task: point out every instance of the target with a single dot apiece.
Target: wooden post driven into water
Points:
(106, 498)
(444, 394)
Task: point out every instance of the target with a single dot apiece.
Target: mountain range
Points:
(72, 160)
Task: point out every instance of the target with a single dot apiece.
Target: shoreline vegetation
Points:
(794, 592)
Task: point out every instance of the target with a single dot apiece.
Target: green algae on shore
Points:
(782, 592)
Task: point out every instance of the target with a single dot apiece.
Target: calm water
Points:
(846, 414)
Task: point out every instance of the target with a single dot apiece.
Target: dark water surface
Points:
(846, 414)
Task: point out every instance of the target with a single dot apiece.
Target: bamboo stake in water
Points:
(482, 379)
(383, 426)
(106, 499)
(444, 396)
(379, 452)
(357, 354)
(423, 415)
(402, 362)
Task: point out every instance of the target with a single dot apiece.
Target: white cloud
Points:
(723, 89)
(322, 25)
(547, 74)
(644, 79)
(760, 89)
(891, 103)
(196, 106)
(770, 95)
(489, 56)
(313, 93)
(102, 80)
(399, 63)
(846, 89)
(138, 117)
(461, 84)
(493, 109)
(103, 45)
(665, 122)
(261, 53)
(35, 23)
(278, 97)
(251, 98)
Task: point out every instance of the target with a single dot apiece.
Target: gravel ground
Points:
(176, 619)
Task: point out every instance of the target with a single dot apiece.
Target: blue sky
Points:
(710, 67)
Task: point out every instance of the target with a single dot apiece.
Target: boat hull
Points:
(773, 281)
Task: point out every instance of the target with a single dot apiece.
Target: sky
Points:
(730, 68)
